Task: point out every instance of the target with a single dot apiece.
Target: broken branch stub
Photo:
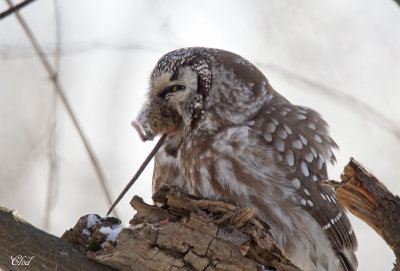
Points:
(369, 199)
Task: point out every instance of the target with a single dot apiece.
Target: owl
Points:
(231, 137)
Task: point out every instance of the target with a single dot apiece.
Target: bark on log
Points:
(367, 198)
(19, 238)
(184, 234)
(188, 234)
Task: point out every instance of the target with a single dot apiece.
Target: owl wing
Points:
(300, 137)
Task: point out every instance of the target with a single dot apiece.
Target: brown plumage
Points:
(232, 137)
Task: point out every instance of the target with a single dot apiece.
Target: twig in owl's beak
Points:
(140, 170)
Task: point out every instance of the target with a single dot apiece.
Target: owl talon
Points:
(244, 215)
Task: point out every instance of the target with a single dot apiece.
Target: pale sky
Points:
(341, 58)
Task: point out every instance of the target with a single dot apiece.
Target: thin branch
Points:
(64, 100)
(13, 9)
(71, 49)
(140, 170)
(52, 140)
(53, 166)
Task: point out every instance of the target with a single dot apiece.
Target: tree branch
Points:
(188, 233)
(369, 199)
(64, 100)
(17, 237)
(13, 9)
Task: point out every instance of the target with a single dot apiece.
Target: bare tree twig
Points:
(72, 48)
(66, 103)
(52, 177)
(52, 139)
(13, 9)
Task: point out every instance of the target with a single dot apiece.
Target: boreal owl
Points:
(232, 137)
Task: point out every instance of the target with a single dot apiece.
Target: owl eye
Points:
(172, 89)
(176, 88)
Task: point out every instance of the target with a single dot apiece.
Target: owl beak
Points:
(143, 135)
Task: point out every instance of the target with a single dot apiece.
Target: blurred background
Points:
(341, 58)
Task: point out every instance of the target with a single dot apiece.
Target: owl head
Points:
(200, 89)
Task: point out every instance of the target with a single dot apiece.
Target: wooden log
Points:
(186, 233)
(367, 198)
(193, 234)
(36, 250)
